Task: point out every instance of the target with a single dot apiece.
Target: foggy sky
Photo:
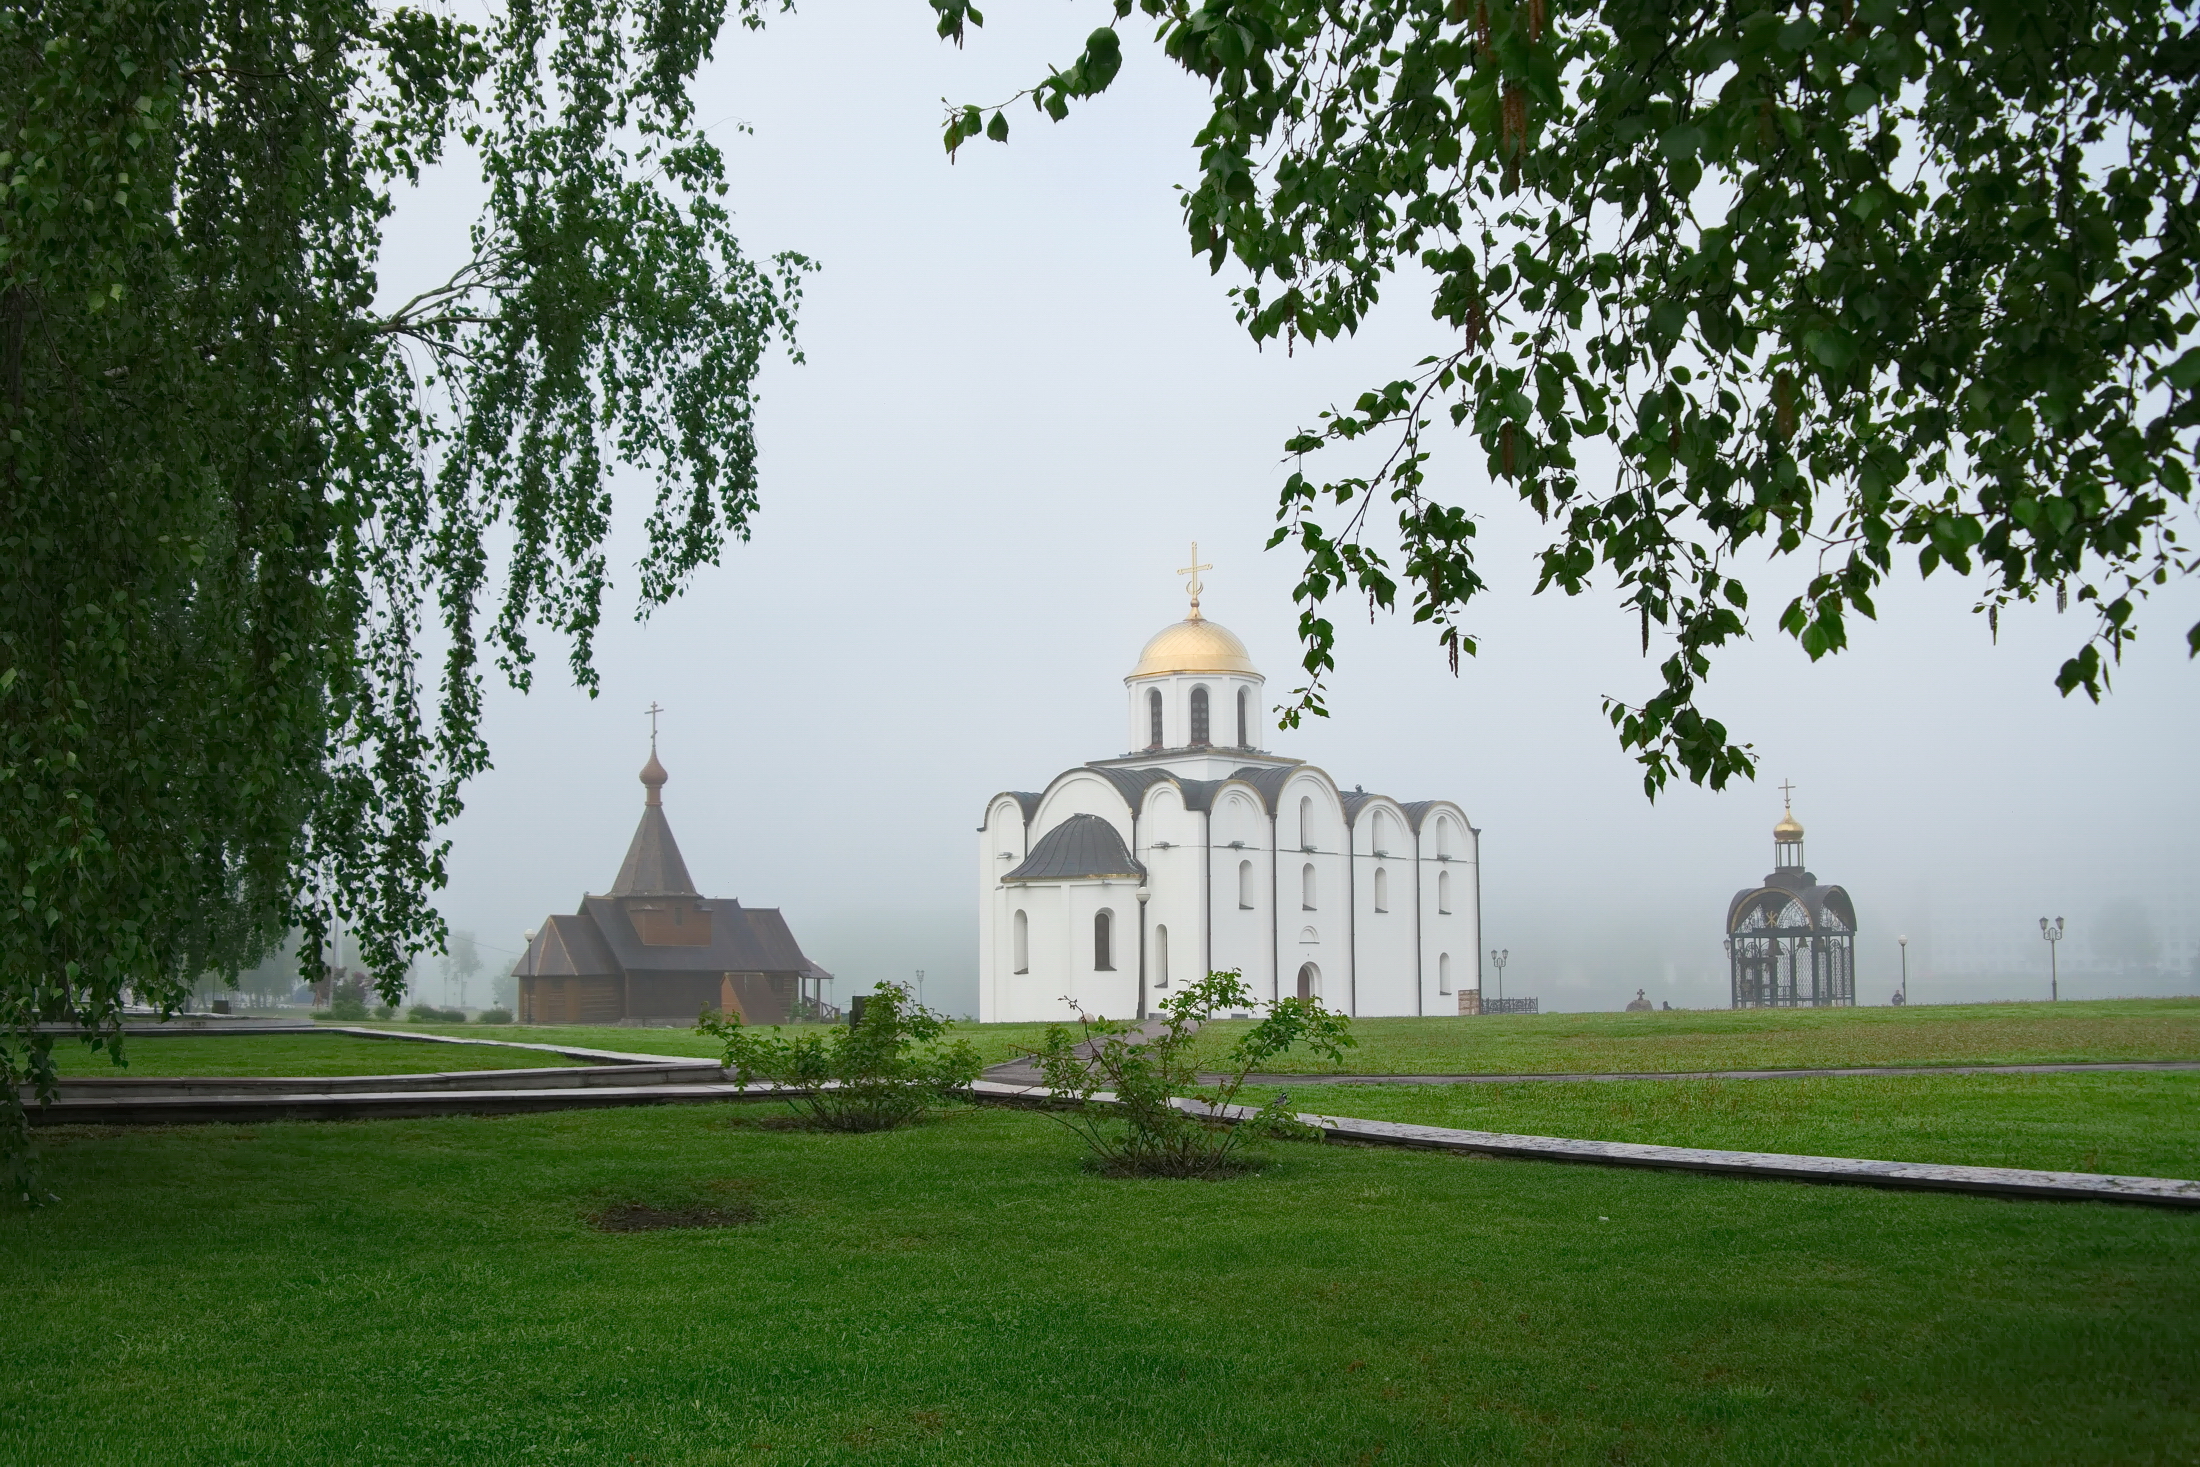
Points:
(1024, 398)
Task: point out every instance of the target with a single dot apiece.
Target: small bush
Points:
(348, 1000)
(883, 1072)
(428, 1013)
(495, 1016)
(1160, 1121)
(385, 1012)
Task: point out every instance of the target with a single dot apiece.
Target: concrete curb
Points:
(1914, 1176)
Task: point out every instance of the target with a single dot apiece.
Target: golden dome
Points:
(1194, 645)
(1789, 830)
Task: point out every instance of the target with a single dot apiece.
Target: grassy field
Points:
(431, 1291)
(1726, 1039)
(292, 1054)
(2131, 1124)
(996, 1042)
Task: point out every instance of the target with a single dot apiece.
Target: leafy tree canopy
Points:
(236, 491)
(1854, 279)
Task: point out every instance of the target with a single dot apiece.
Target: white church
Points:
(1126, 877)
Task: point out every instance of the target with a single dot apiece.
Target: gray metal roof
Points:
(653, 866)
(1818, 903)
(1083, 846)
(742, 940)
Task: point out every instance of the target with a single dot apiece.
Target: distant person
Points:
(1898, 998)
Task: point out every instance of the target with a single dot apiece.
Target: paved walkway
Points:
(2070, 1069)
(1021, 1071)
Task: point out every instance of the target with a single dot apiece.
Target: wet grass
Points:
(994, 1042)
(1727, 1039)
(963, 1293)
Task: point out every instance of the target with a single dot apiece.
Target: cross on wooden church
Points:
(653, 710)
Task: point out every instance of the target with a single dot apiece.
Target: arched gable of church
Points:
(1240, 815)
(1083, 792)
(1309, 812)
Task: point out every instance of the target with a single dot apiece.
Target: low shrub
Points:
(348, 1000)
(428, 1013)
(495, 1016)
(1160, 1121)
(885, 1070)
(385, 1012)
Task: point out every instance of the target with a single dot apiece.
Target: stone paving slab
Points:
(2074, 1068)
(1919, 1176)
(379, 1105)
(121, 1087)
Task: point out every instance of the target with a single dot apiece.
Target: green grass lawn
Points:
(1748, 1039)
(429, 1291)
(995, 1042)
(291, 1054)
(2131, 1124)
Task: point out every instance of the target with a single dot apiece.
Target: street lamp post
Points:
(1498, 957)
(920, 988)
(1905, 945)
(2053, 935)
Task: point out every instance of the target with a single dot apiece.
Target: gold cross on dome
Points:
(1787, 794)
(1193, 587)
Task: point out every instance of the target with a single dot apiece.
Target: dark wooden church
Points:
(655, 951)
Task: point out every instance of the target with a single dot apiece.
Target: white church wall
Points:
(1172, 843)
(1442, 847)
(1002, 845)
(1308, 813)
(1385, 951)
(1245, 896)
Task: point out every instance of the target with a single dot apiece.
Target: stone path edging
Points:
(1918, 1176)
(2074, 1068)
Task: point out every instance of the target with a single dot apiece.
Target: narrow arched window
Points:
(1382, 833)
(1443, 836)
(1443, 893)
(1199, 717)
(1382, 890)
(1161, 957)
(1306, 820)
(1245, 718)
(1023, 943)
(1153, 718)
(1443, 972)
(1245, 886)
(1103, 941)
(1306, 887)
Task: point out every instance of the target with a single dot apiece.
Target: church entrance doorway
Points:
(1310, 981)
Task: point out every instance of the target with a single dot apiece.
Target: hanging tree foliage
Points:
(235, 490)
(1852, 279)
